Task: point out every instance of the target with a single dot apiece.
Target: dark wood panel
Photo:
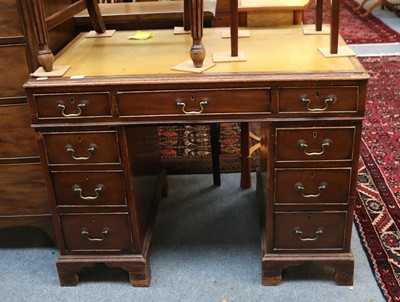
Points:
(10, 21)
(23, 190)
(17, 138)
(14, 70)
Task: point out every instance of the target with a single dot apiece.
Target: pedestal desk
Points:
(96, 128)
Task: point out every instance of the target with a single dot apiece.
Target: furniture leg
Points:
(274, 265)
(197, 51)
(95, 16)
(335, 26)
(186, 15)
(215, 152)
(137, 267)
(45, 56)
(318, 12)
(234, 18)
(245, 178)
(42, 24)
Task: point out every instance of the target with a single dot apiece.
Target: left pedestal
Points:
(104, 187)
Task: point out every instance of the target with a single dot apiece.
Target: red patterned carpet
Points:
(352, 28)
(377, 217)
(377, 212)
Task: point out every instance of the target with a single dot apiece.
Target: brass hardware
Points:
(331, 99)
(105, 232)
(203, 102)
(325, 144)
(297, 231)
(90, 150)
(61, 105)
(78, 190)
(300, 187)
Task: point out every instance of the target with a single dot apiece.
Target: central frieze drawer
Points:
(312, 186)
(72, 105)
(194, 101)
(102, 188)
(96, 232)
(322, 100)
(81, 147)
(310, 144)
(309, 230)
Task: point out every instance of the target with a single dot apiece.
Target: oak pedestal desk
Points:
(98, 143)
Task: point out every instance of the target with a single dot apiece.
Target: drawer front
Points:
(318, 100)
(73, 148)
(14, 70)
(10, 22)
(89, 188)
(17, 138)
(312, 186)
(194, 101)
(72, 106)
(96, 232)
(309, 230)
(310, 144)
(23, 190)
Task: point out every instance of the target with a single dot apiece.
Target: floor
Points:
(385, 49)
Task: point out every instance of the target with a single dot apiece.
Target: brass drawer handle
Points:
(105, 232)
(300, 187)
(92, 147)
(331, 99)
(61, 105)
(326, 143)
(297, 231)
(203, 102)
(78, 190)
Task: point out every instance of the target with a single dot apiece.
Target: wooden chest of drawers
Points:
(102, 162)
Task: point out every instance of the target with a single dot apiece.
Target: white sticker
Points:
(77, 77)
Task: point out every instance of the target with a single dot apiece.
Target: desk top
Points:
(268, 51)
(264, 5)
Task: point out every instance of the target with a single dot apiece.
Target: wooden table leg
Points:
(197, 51)
(45, 56)
(318, 13)
(186, 15)
(234, 20)
(335, 26)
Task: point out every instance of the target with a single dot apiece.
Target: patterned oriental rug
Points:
(353, 28)
(377, 211)
(377, 219)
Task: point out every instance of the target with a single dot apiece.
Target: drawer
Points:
(72, 106)
(81, 147)
(14, 70)
(10, 22)
(102, 188)
(309, 230)
(96, 232)
(310, 144)
(318, 100)
(194, 101)
(312, 186)
(17, 138)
